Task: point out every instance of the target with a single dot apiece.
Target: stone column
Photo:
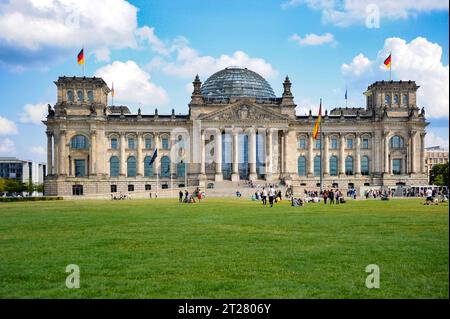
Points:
(422, 154)
(235, 161)
(413, 152)
(341, 155)
(49, 153)
(310, 165)
(203, 154)
(123, 160)
(269, 154)
(93, 154)
(285, 154)
(157, 162)
(139, 161)
(358, 156)
(326, 155)
(62, 153)
(386, 153)
(252, 154)
(218, 156)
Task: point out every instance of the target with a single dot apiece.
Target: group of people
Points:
(121, 196)
(268, 193)
(191, 198)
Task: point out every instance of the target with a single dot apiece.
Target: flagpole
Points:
(390, 68)
(321, 142)
(157, 175)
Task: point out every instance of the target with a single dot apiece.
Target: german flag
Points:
(387, 62)
(81, 57)
(317, 126)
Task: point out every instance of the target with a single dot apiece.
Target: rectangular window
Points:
(148, 143)
(365, 143)
(349, 143)
(148, 187)
(131, 144)
(114, 143)
(334, 143)
(80, 168)
(302, 143)
(131, 188)
(396, 166)
(165, 143)
(317, 144)
(113, 188)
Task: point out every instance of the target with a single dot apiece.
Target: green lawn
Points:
(223, 249)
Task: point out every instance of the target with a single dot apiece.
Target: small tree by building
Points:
(439, 175)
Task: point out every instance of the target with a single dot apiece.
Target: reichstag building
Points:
(235, 129)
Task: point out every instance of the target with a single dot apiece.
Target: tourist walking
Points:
(271, 195)
(264, 196)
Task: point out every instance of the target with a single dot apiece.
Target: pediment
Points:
(244, 112)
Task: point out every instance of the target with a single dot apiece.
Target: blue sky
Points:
(155, 48)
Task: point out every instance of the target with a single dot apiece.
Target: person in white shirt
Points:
(271, 195)
(264, 196)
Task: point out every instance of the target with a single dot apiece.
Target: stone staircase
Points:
(229, 188)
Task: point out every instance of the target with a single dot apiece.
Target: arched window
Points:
(131, 166)
(365, 165)
(396, 99)
(114, 166)
(301, 166)
(165, 166)
(333, 166)
(405, 100)
(181, 169)
(387, 99)
(397, 142)
(349, 165)
(79, 142)
(90, 95)
(70, 96)
(80, 96)
(317, 165)
(148, 168)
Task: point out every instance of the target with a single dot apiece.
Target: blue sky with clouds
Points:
(153, 49)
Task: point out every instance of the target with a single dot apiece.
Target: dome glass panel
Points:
(236, 82)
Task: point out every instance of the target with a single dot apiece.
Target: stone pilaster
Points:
(235, 162)
(218, 156)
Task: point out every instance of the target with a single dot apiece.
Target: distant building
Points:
(22, 170)
(435, 155)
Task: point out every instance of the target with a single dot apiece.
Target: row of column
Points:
(252, 143)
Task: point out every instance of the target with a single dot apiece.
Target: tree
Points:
(2, 185)
(13, 186)
(439, 175)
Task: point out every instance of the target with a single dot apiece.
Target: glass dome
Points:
(236, 82)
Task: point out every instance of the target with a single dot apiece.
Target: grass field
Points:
(223, 249)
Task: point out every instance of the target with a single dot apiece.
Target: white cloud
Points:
(7, 127)
(313, 39)
(359, 65)
(148, 34)
(34, 29)
(7, 147)
(132, 85)
(34, 113)
(418, 60)
(347, 12)
(189, 62)
(432, 139)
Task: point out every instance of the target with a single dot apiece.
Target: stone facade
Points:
(95, 149)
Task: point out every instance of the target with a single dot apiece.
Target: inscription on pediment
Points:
(243, 112)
